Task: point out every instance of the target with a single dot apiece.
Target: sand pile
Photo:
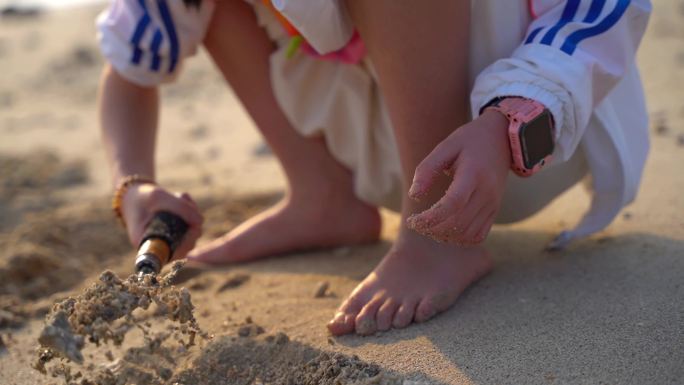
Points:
(103, 313)
(106, 311)
(274, 359)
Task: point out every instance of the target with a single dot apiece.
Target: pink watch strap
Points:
(520, 111)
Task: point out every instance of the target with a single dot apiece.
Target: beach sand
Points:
(609, 310)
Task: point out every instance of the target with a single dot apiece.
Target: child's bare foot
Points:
(304, 221)
(416, 280)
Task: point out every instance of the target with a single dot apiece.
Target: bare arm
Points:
(128, 120)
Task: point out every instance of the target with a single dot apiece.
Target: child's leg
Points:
(421, 57)
(319, 187)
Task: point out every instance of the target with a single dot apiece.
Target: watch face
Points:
(536, 139)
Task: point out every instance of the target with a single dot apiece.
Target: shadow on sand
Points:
(606, 311)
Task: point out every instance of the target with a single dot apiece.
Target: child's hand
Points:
(478, 157)
(142, 201)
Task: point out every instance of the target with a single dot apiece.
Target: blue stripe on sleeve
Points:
(167, 19)
(569, 13)
(139, 33)
(154, 47)
(533, 34)
(576, 37)
(594, 11)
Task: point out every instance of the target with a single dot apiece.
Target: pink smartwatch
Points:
(530, 132)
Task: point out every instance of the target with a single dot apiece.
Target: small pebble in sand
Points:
(165, 373)
(321, 289)
(200, 131)
(627, 216)
(248, 319)
(661, 127)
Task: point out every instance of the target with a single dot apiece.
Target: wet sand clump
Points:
(103, 313)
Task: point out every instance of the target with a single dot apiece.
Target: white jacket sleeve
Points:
(146, 40)
(574, 53)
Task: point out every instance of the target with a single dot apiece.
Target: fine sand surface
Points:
(609, 310)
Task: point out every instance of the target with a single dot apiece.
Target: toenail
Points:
(349, 319)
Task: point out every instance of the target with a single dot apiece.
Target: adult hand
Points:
(477, 156)
(142, 201)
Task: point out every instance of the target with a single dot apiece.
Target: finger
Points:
(189, 242)
(443, 231)
(454, 228)
(476, 204)
(440, 159)
(187, 197)
(471, 234)
(138, 228)
(455, 199)
(486, 228)
(181, 207)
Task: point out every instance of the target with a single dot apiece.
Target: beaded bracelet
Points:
(121, 189)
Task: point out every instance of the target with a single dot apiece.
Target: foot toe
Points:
(426, 309)
(341, 324)
(365, 321)
(386, 314)
(344, 320)
(404, 314)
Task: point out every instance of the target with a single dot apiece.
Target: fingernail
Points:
(415, 190)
